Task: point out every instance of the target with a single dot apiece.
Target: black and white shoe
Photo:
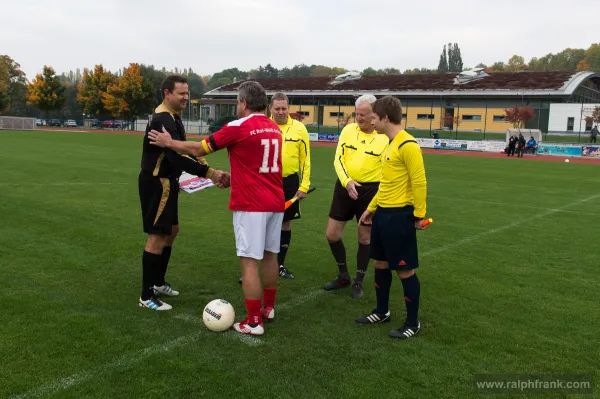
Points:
(406, 331)
(374, 318)
(285, 273)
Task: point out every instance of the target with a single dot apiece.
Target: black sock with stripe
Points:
(412, 292)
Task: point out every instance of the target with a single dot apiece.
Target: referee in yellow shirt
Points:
(396, 213)
(296, 169)
(358, 160)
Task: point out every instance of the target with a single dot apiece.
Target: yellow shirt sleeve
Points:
(373, 204)
(412, 156)
(304, 158)
(340, 166)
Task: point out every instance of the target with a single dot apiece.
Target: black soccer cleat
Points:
(285, 273)
(374, 318)
(339, 282)
(406, 331)
(357, 290)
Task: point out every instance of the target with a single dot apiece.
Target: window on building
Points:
(425, 116)
(588, 125)
(304, 113)
(570, 124)
(336, 114)
(403, 116)
(471, 118)
(499, 118)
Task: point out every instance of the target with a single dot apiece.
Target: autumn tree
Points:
(130, 96)
(90, 90)
(596, 115)
(46, 92)
(297, 116)
(519, 116)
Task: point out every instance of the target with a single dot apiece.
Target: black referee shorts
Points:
(291, 184)
(343, 208)
(158, 198)
(394, 238)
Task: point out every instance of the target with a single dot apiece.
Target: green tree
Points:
(90, 89)
(12, 79)
(516, 63)
(443, 64)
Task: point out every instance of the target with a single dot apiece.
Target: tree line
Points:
(135, 90)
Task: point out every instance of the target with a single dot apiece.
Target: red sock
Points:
(253, 308)
(269, 297)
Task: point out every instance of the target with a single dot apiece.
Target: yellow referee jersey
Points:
(296, 151)
(403, 182)
(359, 155)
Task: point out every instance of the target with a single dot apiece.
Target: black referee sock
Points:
(339, 253)
(362, 261)
(383, 282)
(412, 292)
(165, 257)
(286, 237)
(151, 266)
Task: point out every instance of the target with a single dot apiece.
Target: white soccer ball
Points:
(566, 160)
(218, 315)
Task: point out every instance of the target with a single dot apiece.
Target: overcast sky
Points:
(210, 36)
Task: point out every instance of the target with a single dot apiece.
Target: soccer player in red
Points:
(254, 146)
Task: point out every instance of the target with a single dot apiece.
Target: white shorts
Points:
(257, 232)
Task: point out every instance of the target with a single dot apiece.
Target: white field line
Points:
(128, 360)
(247, 339)
(519, 222)
(60, 184)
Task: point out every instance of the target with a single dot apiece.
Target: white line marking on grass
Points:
(517, 205)
(129, 360)
(507, 226)
(247, 339)
(121, 363)
(60, 184)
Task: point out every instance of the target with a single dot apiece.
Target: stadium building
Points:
(470, 101)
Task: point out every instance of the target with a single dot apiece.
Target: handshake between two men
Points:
(163, 139)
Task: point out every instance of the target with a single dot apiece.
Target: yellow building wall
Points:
(333, 120)
(413, 122)
(313, 112)
(486, 122)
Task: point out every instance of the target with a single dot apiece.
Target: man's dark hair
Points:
(169, 83)
(254, 95)
(388, 106)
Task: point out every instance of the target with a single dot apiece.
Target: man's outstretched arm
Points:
(164, 139)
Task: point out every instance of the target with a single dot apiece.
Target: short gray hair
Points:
(365, 98)
(254, 95)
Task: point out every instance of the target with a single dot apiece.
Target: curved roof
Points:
(496, 83)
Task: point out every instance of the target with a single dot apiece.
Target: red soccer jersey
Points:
(254, 148)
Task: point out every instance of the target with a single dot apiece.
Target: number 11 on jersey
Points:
(266, 152)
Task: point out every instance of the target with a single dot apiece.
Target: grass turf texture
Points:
(509, 274)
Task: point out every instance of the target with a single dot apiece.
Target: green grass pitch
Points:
(509, 283)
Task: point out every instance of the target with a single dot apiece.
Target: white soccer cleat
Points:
(154, 304)
(165, 290)
(252, 329)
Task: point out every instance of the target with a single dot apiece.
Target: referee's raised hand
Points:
(160, 139)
